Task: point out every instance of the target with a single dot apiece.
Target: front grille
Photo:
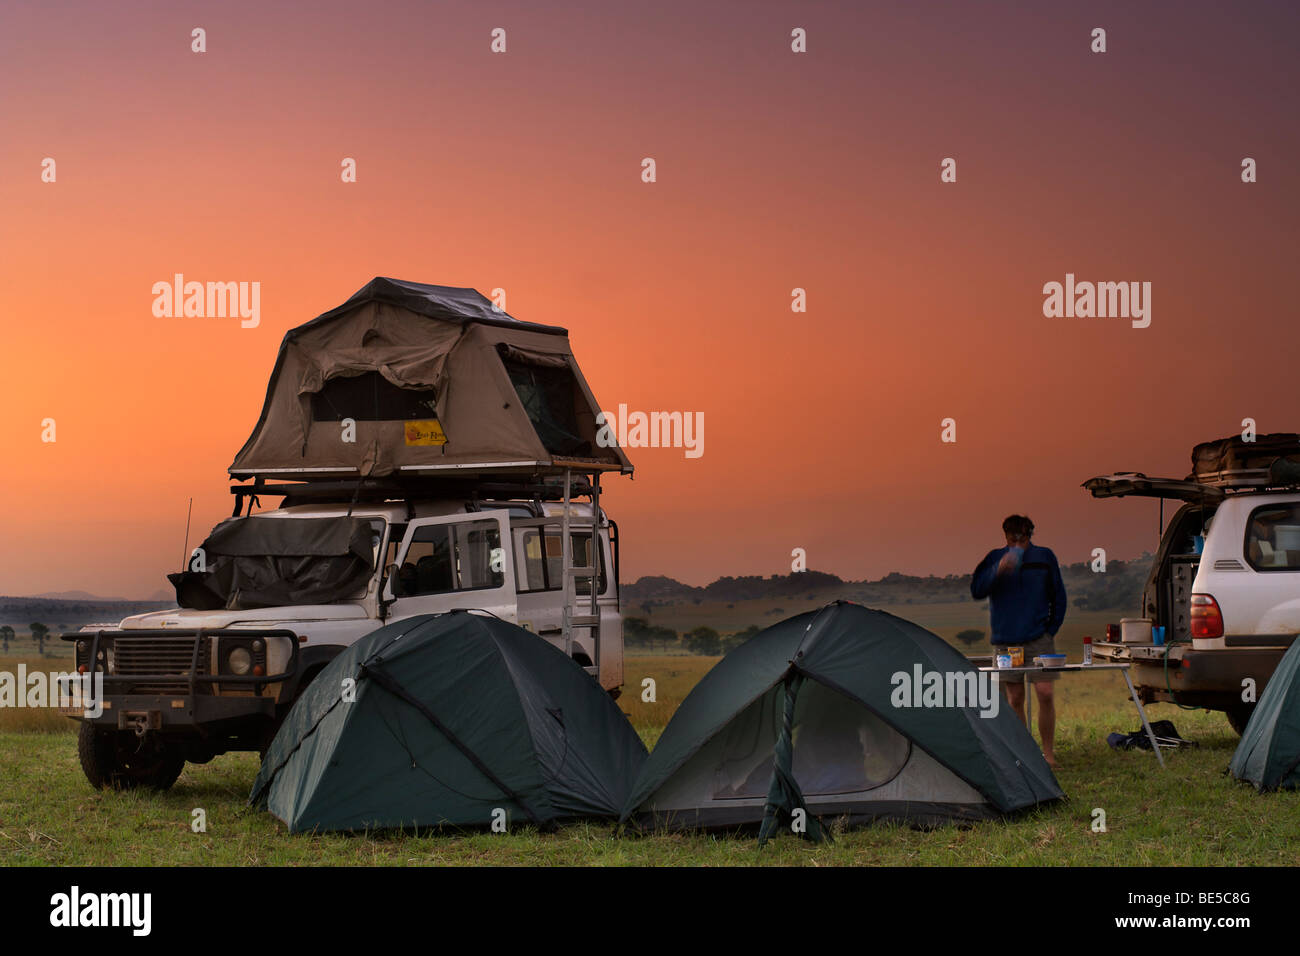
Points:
(154, 656)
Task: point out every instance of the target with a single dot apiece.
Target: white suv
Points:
(1225, 585)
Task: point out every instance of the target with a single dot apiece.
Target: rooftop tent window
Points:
(549, 395)
(369, 397)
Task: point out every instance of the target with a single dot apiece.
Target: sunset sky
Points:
(775, 170)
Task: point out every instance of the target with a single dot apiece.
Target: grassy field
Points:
(1188, 814)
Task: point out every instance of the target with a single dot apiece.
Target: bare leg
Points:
(1016, 698)
(1047, 721)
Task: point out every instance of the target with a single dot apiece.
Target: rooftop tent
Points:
(454, 717)
(264, 562)
(1268, 755)
(802, 716)
(436, 380)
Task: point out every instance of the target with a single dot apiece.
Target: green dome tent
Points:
(452, 718)
(810, 714)
(1268, 755)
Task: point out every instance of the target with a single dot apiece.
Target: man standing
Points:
(1027, 606)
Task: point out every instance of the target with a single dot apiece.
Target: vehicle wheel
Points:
(123, 761)
(1239, 717)
(282, 711)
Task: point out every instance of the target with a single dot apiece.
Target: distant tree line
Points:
(640, 634)
(1120, 587)
(39, 632)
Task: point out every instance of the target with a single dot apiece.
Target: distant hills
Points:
(84, 597)
(1119, 588)
(63, 614)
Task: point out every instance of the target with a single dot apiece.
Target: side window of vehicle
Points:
(444, 558)
(529, 560)
(1273, 538)
(582, 557)
(540, 559)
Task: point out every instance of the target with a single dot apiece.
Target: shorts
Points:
(1041, 645)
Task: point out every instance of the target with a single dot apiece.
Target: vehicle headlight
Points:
(239, 660)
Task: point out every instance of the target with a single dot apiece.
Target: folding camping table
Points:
(1028, 669)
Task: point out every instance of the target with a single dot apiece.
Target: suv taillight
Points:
(1207, 619)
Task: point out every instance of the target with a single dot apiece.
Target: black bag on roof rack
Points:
(1233, 455)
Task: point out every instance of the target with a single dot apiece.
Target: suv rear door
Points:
(1166, 597)
(1124, 483)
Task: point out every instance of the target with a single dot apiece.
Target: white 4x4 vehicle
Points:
(1225, 585)
(284, 591)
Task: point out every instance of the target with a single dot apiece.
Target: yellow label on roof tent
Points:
(425, 433)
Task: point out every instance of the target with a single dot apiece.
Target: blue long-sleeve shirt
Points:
(1025, 602)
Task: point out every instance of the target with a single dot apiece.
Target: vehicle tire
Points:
(282, 711)
(1239, 717)
(122, 761)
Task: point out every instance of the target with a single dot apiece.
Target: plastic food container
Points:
(1135, 630)
(1051, 660)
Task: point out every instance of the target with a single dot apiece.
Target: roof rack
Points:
(1232, 478)
(524, 488)
(1244, 480)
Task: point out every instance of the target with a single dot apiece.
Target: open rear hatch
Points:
(1167, 594)
(1125, 483)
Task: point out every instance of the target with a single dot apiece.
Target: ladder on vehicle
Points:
(574, 614)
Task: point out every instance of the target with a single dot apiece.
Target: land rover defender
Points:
(271, 598)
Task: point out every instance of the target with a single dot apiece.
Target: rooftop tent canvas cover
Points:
(454, 716)
(800, 716)
(1268, 755)
(436, 380)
